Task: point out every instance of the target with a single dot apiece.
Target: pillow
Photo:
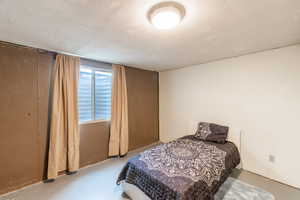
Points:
(212, 132)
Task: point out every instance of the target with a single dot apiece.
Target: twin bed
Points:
(191, 167)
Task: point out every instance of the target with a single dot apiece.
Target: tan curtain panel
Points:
(64, 130)
(118, 143)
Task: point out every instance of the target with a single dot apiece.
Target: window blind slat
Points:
(94, 94)
(85, 96)
(103, 83)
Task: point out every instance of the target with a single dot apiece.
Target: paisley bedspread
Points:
(186, 168)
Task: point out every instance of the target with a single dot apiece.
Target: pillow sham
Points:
(212, 132)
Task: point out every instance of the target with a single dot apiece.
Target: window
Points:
(94, 95)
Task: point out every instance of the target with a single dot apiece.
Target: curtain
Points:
(64, 130)
(118, 143)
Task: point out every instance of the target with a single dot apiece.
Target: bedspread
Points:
(186, 168)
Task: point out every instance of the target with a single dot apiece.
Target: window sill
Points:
(93, 122)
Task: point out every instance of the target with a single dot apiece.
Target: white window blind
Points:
(94, 95)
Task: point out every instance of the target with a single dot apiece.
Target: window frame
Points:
(93, 83)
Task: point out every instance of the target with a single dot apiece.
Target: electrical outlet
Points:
(272, 158)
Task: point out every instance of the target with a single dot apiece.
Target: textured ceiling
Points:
(117, 31)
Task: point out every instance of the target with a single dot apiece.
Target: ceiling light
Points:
(166, 15)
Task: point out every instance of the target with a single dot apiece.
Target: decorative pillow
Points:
(212, 132)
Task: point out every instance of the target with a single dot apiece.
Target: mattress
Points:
(186, 168)
(134, 192)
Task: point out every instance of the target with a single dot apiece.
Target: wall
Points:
(24, 84)
(142, 107)
(94, 138)
(25, 81)
(258, 94)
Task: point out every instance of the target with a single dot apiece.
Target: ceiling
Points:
(118, 31)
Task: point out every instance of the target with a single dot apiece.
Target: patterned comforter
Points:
(186, 168)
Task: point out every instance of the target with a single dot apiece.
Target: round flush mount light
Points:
(166, 15)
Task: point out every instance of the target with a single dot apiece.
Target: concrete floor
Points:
(97, 182)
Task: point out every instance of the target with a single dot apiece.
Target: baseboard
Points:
(277, 181)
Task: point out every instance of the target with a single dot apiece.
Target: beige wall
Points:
(258, 94)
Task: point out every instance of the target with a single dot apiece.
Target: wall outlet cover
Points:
(272, 158)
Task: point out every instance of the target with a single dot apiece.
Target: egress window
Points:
(94, 94)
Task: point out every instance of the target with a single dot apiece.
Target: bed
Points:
(186, 168)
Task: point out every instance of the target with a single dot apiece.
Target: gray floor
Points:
(98, 183)
(280, 191)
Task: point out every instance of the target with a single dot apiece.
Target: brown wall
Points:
(142, 106)
(94, 139)
(25, 77)
(24, 86)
